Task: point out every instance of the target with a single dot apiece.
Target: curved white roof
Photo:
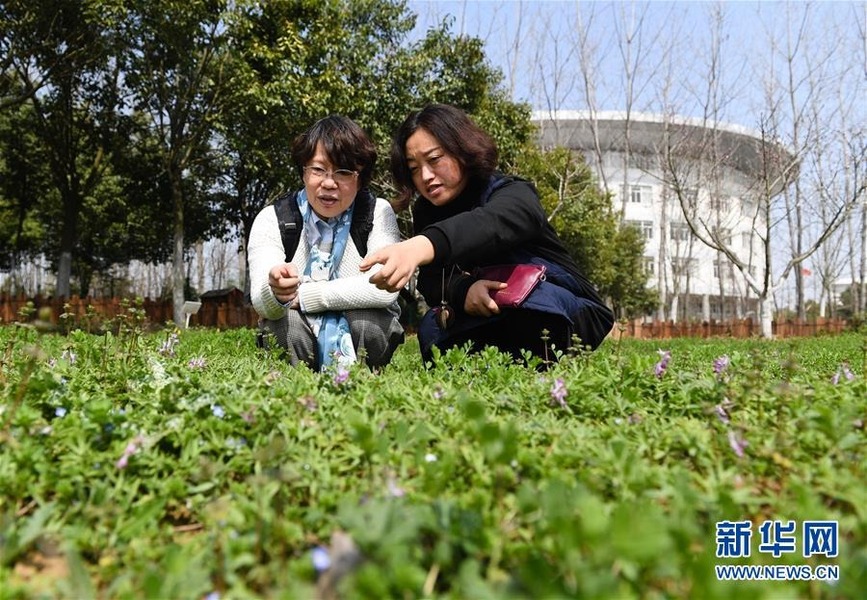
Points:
(736, 146)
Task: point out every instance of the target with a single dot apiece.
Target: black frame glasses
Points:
(338, 176)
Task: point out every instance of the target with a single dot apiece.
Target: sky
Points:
(534, 44)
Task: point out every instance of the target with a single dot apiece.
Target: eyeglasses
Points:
(338, 176)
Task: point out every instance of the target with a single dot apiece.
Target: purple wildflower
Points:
(341, 376)
(721, 413)
(69, 356)
(394, 490)
(439, 393)
(168, 347)
(321, 559)
(843, 371)
(662, 365)
(720, 365)
(131, 448)
(197, 362)
(737, 443)
(248, 415)
(559, 392)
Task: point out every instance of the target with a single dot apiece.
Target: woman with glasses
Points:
(314, 299)
(468, 216)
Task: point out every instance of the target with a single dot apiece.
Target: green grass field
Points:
(193, 465)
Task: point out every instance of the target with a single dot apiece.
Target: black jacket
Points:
(471, 232)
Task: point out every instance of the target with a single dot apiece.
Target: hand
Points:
(399, 262)
(479, 302)
(284, 281)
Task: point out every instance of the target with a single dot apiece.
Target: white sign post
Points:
(190, 308)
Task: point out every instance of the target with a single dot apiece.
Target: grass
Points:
(190, 465)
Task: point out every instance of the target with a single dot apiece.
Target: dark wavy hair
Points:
(345, 143)
(459, 136)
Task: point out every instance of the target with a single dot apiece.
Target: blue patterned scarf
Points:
(327, 240)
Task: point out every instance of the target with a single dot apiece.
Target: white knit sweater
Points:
(349, 290)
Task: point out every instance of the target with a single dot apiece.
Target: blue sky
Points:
(534, 44)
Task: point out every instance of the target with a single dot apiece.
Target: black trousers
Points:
(514, 331)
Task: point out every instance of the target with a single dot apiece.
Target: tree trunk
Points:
(178, 250)
(766, 316)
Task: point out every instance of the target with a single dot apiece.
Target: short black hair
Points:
(345, 143)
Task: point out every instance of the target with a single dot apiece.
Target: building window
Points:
(683, 266)
(645, 162)
(637, 194)
(724, 235)
(649, 265)
(748, 208)
(720, 204)
(721, 269)
(679, 232)
(645, 227)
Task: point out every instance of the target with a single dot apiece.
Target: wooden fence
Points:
(227, 309)
(742, 328)
(223, 312)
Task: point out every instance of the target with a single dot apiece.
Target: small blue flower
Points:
(218, 411)
(59, 412)
(320, 558)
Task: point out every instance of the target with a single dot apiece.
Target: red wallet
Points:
(521, 279)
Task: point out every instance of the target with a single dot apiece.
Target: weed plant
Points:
(189, 464)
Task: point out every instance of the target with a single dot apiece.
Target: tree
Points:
(174, 71)
(63, 70)
(25, 183)
(794, 180)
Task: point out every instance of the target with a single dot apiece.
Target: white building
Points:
(659, 169)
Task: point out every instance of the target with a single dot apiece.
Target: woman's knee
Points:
(377, 331)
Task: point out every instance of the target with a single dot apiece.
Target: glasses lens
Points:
(343, 176)
(340, 176)
(315, 173)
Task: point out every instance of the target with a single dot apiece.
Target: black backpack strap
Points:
(362, 220)
(291, 223)
(289, 220)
